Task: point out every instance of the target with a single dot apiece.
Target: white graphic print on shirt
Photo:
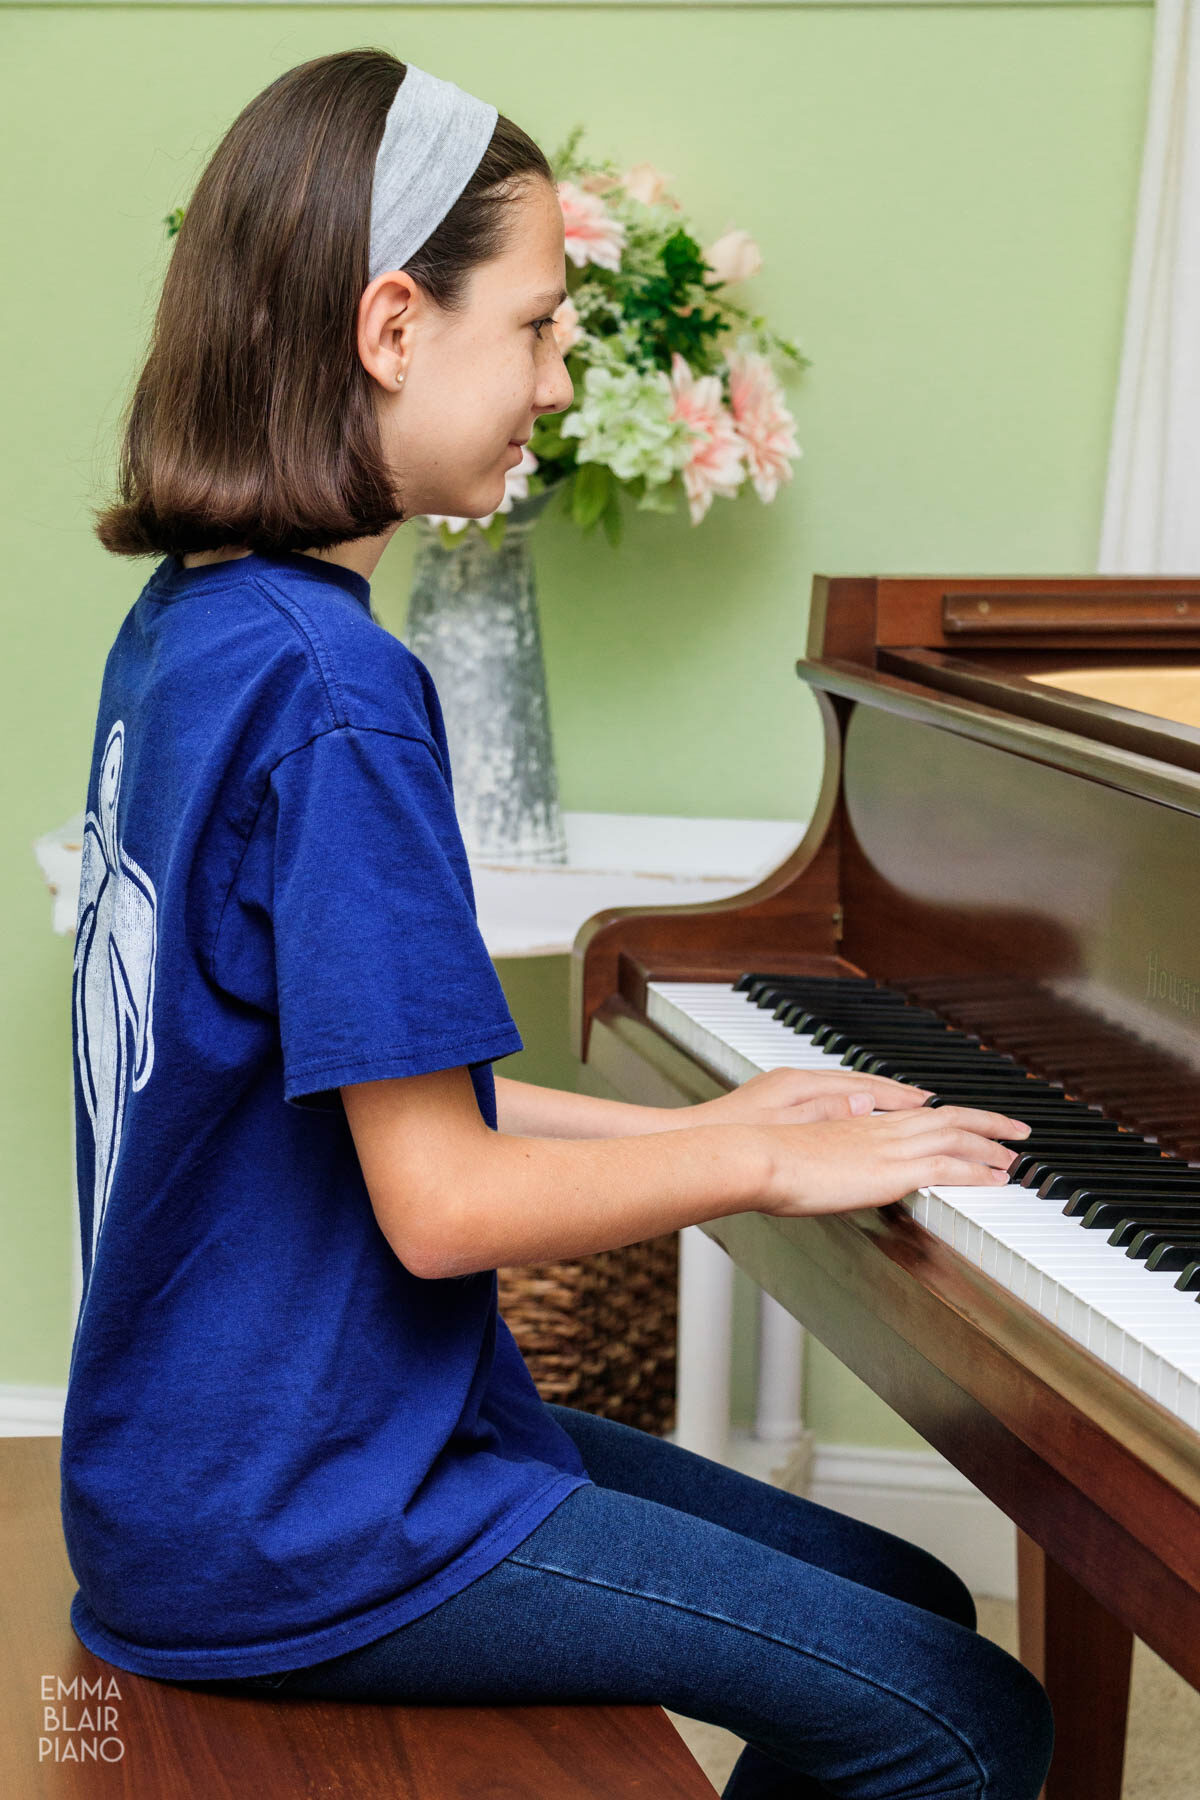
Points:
(115, 944)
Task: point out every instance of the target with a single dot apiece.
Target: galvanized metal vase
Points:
(472, 620)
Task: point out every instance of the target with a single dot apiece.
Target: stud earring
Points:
(399, 378)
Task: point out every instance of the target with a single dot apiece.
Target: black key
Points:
(966, 1061)
(1094, 1212)
(955, 1077)
(921, 1068)
(1006, 1081)
(1084, 1129)
(1034, 1168)
(840, 1039)
(1168, 1253)
(875, 1004)
(958, 1083)
(1123, 1233)
(888, 1036)
(1054, 1145)
(830, 986)
(826, 983)
(1143, 1181)
(1060, 1187)
(1028, 1092)
(821, 1025)
(802, 1017)
(1012, 1101)
(1189, 1280)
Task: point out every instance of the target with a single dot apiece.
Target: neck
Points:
(360, 554)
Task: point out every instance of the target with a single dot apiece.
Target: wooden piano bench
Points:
(154, 1741)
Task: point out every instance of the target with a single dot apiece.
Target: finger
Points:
(894, 1096)
(956, 1171)
(828, 1106)
(986, 1124)
(865, 1094)
(968, 1146)
(840, 1087)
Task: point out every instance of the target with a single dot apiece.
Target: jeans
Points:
(846, 1659)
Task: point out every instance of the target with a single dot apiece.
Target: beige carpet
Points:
(1163, 1757)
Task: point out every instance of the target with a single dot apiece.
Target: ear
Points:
(387, 314)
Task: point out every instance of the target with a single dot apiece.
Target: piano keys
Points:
(1082, 1280)
(1004, 862)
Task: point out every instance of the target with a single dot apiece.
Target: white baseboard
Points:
(916, 1494)
(31, 1411)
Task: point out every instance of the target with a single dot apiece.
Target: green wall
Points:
(944, 197)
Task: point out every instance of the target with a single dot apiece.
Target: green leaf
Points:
(591, 493)
(548, 443)
(610, 518)
(660, 499)
(495, 529)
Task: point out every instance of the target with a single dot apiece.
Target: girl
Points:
(301, 1451)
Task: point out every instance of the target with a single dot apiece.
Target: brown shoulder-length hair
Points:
(253, 422)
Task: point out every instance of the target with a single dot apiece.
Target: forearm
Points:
(525, 1110)
(535, 1200)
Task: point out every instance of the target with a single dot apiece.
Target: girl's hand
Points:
(843, 1164)
(802, 1096)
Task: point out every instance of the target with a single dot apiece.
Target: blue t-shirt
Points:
(278, 1443)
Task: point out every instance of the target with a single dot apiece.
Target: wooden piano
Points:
(1008, 838)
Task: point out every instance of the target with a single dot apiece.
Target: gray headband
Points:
(433, 141)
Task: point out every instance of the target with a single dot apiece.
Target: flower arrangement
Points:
(675, 392)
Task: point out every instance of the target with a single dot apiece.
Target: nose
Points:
(561, 391)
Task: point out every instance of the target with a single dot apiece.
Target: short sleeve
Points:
(380, 966)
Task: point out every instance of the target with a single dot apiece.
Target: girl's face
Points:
(473, 382)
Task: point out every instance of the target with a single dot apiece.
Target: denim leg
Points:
(844, 1690)
(621, 1457)
(636, 1462)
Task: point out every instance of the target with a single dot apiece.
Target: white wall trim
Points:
(31, 1411)
(919, 1495)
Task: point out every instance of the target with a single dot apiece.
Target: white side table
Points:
(616, 859)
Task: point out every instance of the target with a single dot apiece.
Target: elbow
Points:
(434, 1250)
(426, 1260)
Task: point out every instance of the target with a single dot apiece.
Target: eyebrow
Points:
(550, 300)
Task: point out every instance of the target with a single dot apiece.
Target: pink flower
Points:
(590, 233)
(764, 424)
(567, 329)
(649, 185)
(717, 464)
(599, 183)
(734, 257)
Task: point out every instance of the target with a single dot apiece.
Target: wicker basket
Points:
(599, 1334)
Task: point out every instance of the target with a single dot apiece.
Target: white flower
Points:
(734, 257)
(625, 421)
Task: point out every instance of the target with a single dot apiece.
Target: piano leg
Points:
(1082, 1655)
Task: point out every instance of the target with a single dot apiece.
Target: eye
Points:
(537, 326)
